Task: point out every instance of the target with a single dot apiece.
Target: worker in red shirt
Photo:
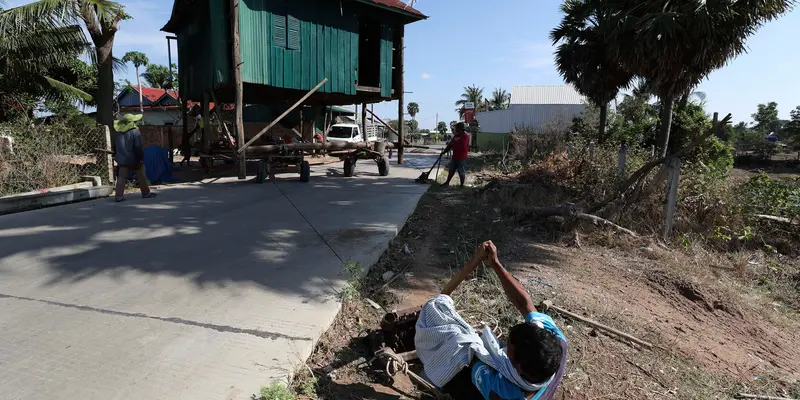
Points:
(460, 146)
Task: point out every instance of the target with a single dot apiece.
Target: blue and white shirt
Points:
(494, 386)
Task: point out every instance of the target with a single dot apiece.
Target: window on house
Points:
(286, 31)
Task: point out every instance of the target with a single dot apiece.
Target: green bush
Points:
(762, 195)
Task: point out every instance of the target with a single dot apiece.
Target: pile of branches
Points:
(605, 209)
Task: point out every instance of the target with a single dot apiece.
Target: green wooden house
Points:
(289, 46)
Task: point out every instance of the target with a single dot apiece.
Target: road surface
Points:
(209, 291)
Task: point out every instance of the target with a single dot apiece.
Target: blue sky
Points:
(505, 43)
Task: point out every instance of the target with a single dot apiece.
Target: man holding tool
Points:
(530, 367)
(459, 144)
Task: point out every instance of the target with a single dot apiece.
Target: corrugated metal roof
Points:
(398, 4)
(562, 94)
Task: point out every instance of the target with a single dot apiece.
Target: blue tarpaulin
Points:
(157, 165)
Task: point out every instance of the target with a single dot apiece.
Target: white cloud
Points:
(426, 75)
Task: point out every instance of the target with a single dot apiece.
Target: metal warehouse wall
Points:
(533, 116)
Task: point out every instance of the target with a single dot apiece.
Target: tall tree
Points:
(413, 110)
(500, 99)
(138, 60)
(472, 94)
(792, 128)
(581, 56)
(453, 126)
(766, 118)
(159, 76)
(38, 62)
(441, 127)
(101, 19)
(676, 44)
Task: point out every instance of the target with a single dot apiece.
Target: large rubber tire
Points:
(383, 167)
(349, 167)
(305, 171)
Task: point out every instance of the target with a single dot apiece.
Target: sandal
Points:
(119, 200)
(149, 195)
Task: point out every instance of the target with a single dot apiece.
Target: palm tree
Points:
(413, 110)
(101, 19)
(33, 54)
(676, 44)
(581, 56)
(472, 94)
(159, 76)
(500, 99)
(139, 60)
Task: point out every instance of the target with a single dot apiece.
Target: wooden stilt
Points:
(401, 96)
(238, 89)
(364, 121)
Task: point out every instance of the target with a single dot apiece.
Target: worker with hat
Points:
(130, 156)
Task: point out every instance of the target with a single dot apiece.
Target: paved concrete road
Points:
(209, 291)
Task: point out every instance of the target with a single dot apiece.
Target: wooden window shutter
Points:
(294, 40)
(279, 30)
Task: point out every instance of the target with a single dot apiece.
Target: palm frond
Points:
(68, 91)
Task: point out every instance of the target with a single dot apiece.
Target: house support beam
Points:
(238, 89)
(401, 95)
(282, 116)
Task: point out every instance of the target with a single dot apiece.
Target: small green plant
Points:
(685, 241)
(275, 391)
(355, 273)
(308, 388)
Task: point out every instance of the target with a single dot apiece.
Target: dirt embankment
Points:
(714, 334)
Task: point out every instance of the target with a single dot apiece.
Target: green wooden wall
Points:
(203, 50)
(328, 45)
(317, 40)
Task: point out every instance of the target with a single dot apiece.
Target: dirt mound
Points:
(715, 331)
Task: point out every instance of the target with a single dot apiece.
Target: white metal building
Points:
(532, 107)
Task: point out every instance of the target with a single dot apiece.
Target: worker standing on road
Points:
(460, 146)
(130, 156)
(532, 365)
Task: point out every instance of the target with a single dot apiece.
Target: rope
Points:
(395, 364)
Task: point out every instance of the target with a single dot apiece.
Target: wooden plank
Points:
(282, 116)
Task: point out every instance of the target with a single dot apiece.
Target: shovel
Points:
(425, 177)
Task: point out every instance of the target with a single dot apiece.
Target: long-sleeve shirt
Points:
(129, 149)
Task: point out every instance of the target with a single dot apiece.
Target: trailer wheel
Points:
(305, 171)
(349, 167)
(383, 167)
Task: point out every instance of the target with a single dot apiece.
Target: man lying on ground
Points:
(532, 365)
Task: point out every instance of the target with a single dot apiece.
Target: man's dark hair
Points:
(460, 127)
(536, 350)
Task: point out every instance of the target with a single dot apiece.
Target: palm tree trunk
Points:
(667, 104)
(601, 130)
(105, 81)
(139, 81)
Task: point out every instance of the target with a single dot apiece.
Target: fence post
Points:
(652, 150)
(109, 159)
(623, 160)
(673, 181)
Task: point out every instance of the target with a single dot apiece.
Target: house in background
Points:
(533, 107)
(161, 107)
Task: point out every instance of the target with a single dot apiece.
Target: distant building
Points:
(533, 107)
(161, 107)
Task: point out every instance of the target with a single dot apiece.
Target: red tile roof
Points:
(154, 94)
(399, 4)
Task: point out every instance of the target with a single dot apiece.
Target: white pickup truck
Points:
(347, 133)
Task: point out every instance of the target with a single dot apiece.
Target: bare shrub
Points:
(47, 156)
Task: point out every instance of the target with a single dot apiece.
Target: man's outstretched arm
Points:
(514, 290)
